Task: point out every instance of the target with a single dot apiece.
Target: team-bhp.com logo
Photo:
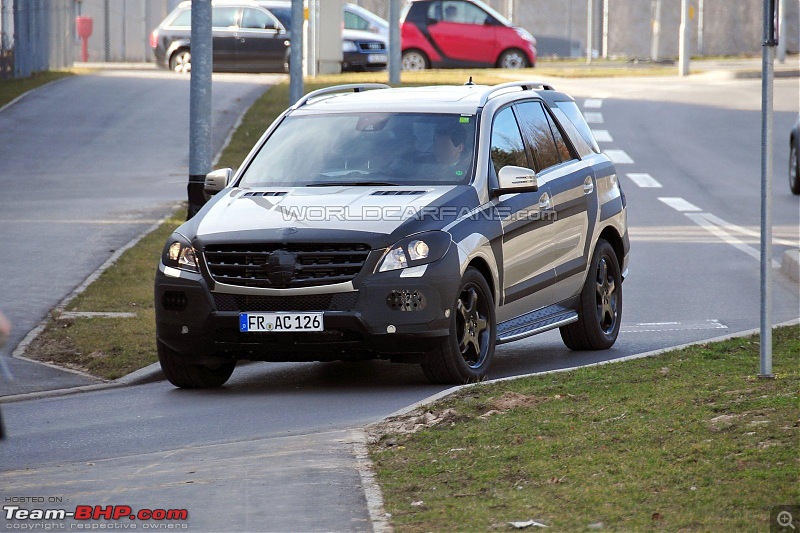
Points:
(152, 518)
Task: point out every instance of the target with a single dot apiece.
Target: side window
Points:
(463, 13)
(536, 129)
(507, 146)
(257, 19)
(434, 11)
(561, 144)
(183, 20)
(570, 109)
(223, 17)
(355, 22)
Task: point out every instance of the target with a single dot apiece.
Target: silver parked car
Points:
(421, 225)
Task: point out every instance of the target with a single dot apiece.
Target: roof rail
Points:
(355, 87)
(524, 85)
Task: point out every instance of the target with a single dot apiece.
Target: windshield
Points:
(365, 149)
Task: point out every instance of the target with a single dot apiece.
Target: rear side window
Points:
(223, 17)
(462, 12)
(561, 144)
(507, 146)
(536, 129)
(570, 109)
(183, 20)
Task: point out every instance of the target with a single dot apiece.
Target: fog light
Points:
(390, 329)
(406, 300)
(447, 313)
(185, 330)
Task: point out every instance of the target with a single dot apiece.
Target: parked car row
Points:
(253, 36)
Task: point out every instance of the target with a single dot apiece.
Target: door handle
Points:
(588, 185)
(544, 201)
(241, 39)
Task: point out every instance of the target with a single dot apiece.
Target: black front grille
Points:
(315, 264)
(343, 301)
(372, 46)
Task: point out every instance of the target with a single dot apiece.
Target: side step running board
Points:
(534, 322)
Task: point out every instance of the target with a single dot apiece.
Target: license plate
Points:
(377, 58)
(278, 322)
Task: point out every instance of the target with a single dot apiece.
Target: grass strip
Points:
(13, 88)
(689, 440)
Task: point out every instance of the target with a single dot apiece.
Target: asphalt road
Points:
(692, 277)
(88, 163)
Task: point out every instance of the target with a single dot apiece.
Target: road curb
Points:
(447, 392)
(790, 264)
(372, 490)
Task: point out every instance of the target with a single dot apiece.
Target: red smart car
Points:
(462, 33)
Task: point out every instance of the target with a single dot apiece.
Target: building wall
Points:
(130, 24)
(35, 35)
(731, 27)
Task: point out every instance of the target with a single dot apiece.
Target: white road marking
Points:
(593, 103)
(602, 136)
(651, 327)
(701, 220)
(620, 157)
(744, 231)
(679, 204)
(593, 117)
(644, 180)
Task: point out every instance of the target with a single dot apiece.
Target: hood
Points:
(377, 216)
(358, 35)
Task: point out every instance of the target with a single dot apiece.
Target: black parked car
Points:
(361, 50)
(252, 37)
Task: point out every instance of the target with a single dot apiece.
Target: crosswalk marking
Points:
(679, 204)
(619, 157)
(593, 117)
(593, 103)
(644, 180)
(602, 136)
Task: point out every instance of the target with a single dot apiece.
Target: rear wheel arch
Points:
(611, 235)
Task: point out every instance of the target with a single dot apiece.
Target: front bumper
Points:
(359, 61)
(195, 318)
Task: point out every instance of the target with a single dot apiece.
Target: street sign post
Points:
(199, 104)
(395, 54)
(296, 53)
(767, 75)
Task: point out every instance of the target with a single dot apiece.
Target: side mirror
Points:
(217, 180)
(513, 179)
(432, 21)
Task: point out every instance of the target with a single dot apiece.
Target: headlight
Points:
(178, 253)
(349, 46)
(416, 250)
(525, 34)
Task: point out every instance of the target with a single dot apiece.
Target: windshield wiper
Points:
(353, 183)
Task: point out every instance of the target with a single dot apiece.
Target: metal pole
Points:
(296, 53)
(768, 60)
(200, 104)
(106, 31)
(589, 29)
(395, 53)
(781, 30)
(124, 32)
(683, 40)
(510, 10)
(147, 30)
(655, 43)
(605, 29)
(700, 30)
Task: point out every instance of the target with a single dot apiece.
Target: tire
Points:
(513, 58)
(794, 168)
(188, 376)
(600, 311)
(466, 354)
(181, 61)
(415, 60)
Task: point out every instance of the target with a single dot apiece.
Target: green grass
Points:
(688, 440)
(10, 89)
(111, 347)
